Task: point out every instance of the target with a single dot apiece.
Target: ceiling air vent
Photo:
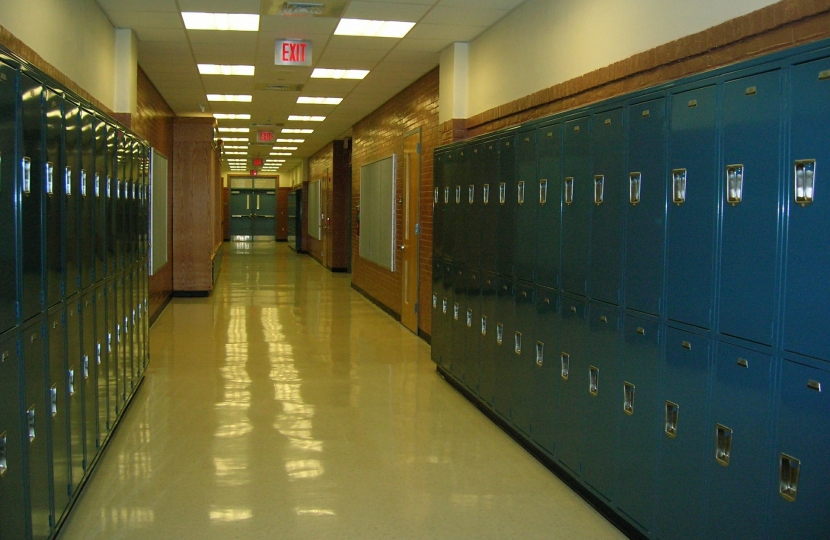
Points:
(331, 8)
(281, 87)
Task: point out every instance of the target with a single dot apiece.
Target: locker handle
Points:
(499, 333)
(455, 311)
(743, 362)
(483, 325)
(686, 345)
(502, 193)
(444, 306)
(237, 215)
(71, 382)
(573, 309)
(469, 318)
(247, 202)
(447, 195)
(4, 464)
(67, 179)
(788, 475)
(814, 385)
(457, 194)
(641, 330)
(85, 371)
(599, 189)
(30, 419)
(83, 183)
(805, 177)
(543, 191)
(435, 197)
(471, 194)
(53, 399)
(486, 194)
(27, 175)
(723, 444)
(109, 186)
(569, 190)
(434, 301)
(517, 343)
(98, 354)
(628, 398)
(97, 186)
(635, 181)
(520, 193)
(540, 353)
(824, 75)
(603, 319)
(257, 202)
(566, 366)
(593, 380)
(671, 418)
(109, 342)
(734, 184)
(678, 186)
(50, 178)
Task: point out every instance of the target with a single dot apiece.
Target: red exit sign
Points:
(265, 136)
(292, 52)
(257, 162)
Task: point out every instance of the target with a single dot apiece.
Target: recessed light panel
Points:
(296, 118)
(243, 22)
(368, 28)
(285, 148)
(229, 97)
(229, 147)
(280, 153)
(291, 140)
(223, 116)
(319, 100)
(233, 130)
(216, 69)
(291, 130)
(321, 73)
(234, 139)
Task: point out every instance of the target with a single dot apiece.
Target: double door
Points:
(253, 214)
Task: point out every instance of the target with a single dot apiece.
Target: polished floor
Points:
(287, 406)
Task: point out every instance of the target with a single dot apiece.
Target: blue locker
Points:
(450, 205)
(457, 361)
(472, 330)
(461, 207)
(506, 210)
(749, 237)
(577, 199)
(8, 190)
(487, 345)
(607, 189)
(12, 444)
(549, 212)
(686, 441)
(692, 188)
(89, 377)
(806, 291)
(71, 178)
(646, 206)
(505, 353)
(490, 204)
(103, 338)
(602, 382)
(473, 206)
(545, 356)
(32, 188)
(800, 483)
(438, 203)
(75, 387)
(86, 231)
(527, 204)
(437, 337)
(99, 184)
(639, 408)
(740, 440)
(53, 219)
(59, 401)
(523, 342)
(571, 385)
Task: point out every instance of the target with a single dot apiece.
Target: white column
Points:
(452, 85)
(126, 71)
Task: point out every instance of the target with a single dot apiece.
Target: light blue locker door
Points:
(692, 184)
(505, 355)
(546, 356)
(572, 384)
(549, 213)
(750, 186)
(489, 201)
(472, 232)
(472, 334)
(686, 441)
(740, 438)
(12, 441)
(807, 291)
(800, 483)
(527, 203)
(646, 206)
(607, 187)
(487, 345)
(577, 198)
(438, 204)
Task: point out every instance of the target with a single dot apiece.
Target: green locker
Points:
(89, 377)
(505, 196)
(99, 191)
(53, 218)
(438, 204)
(71, 178)
(59, 402)
(75, 391)
(489, 204)
(461, 206)
(437, 337)
(116, 376)
(573, 363)
(87, 231)
(8, 199)
(472, 330)
(487, 345)
(527, 203)
(505, 354)
(577, 199)
(12, 442)
(522, 339)
(549, 213)
(451, 202)
(103, 340)
(446, 304)
(545, 354)
(474, 205)
(32, 194)
(458, 361)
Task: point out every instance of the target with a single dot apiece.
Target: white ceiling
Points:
(168, 54)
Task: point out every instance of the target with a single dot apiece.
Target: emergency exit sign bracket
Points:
(292, 52)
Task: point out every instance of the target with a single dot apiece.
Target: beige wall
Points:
(73, 35)
(295, 176)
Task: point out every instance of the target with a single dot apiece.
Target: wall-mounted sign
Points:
(257, 162)
(292, 52)
(254, 172)
(265, 136)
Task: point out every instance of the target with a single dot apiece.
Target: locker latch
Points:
(27, 175)
(83, 183)
(4, 464)
(457, 194)
(30, 419)
(486, 194)
(502, 193)
(543, 191)
(483, 325)
(86, 367)
(734, 184)
(628, 398)
(566, 365)
(517, 343)
(499, 333)
(599, 189)
(671, 418)
(540, 353)
(455, 311)
(50, 178)
(447, 195)
(471, 194)
(805, 177)
(520, 193)
(593, 380)
(635, 181)
(444, 306)
(469, 318)
(434, 301)
(788, 473)
(678, 186)
(723, 444)
(53, 399)
(569, 190)
(67, 179)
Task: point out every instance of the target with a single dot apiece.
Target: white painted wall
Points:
(546, 42)
(452, 82)
(295, 176)
(73, 35)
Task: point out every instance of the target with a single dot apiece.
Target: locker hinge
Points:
(417, 228)
(418, 148)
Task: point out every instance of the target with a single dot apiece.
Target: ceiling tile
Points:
(484, 4)
(145, 5)
(145, 19)
(214, 53)
(449, 33)
(362, 43)
(168, 35)
(426, 45)
(218, 84)
(220, 6)
(335, 57)
(453, 15)
(386, 11)
(297, 27)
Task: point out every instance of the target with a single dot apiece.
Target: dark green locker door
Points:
(692, 187)
(8, 197)
(472, 229)
(506, 209)
(113, 205)
(487, 345)
(125, 368)
(751, 145)
(135, 323)
(461, 208)
(687, 439)
(71, 177)
(489, 202)
(74, 391)
(505, 353)
(99, 185)
(577, 198)
(449, 206)
(740, 438)
(607, 189)
(457, 361)
(89, 377)
(59, 402)
(447, 289)
(800, 482)
(240, 209)
(806, 291)
(12, 440)
(522, 341)
(638, 406)
(102, 340)
(86, 232)
(265, 214)
(37, 413)
(572, 384)
(527, 204)
(32, 190)
(118, 375)
(645, 206)
(549, 213)
(53, 219)
(437, 337)
(437, 204)
(472, 330)
(602, 382)
(546, 359)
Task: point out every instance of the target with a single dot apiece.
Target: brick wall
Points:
(378, 136)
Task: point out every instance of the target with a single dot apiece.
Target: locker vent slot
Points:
(483, 325)
(67, 178)
(671, 418)
(50, 178)
(723, 444)
(789, 471)
(543, 191)
(457, 194)
(599, 189)
(822, 75)
(30, 418)
(517, 343)
(805, 178)
(469, 318)
(628, 398)
(499, 333)
(679, 186)
(814, 385)
(27, 175)
(53, 399)
(540, 353)
(447, 195)
(435, 197)
(434, 301)
(734, 184)
(471, 194)
(569, 190)
(566, 365)
(4, 464)
(502, 193)
(71, 382)
(520, 193)
(635, 181)
(593, 380)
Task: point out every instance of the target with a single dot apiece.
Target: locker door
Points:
(12, 443)
(99, 189)
(740, 439)
(472, 330)
(116, 374)
(74, 392)
(607, 188)
(135, 323)
(59, 400)
(71, 177)
(602, 382)
(751, 135)
(461, 205)
(572, 367)
(86, 232)
(527, 204)
(37, 413)
(807, 293)
(487, 345)
(545, 351)
(125, 345)
(449, 206)
(89, 377)
(53, 223)
(799, 480)
(472, 194)
(438, 204)
(522, 341)
(446, 305)
(638, 408)
(437, 337)
(692, 184)
(505, 354)
(457, 362)
(490, 205)
(577, 198)
(646, 206)
(685, 444)
(8, 206)
(549, 212)
(111, 193)
(32, 188)
(103, 339)
(506, 210)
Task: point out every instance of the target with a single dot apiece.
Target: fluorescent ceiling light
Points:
(224, 116)
(297, 118)
(236, 153)
(284, 148)
(216, 69)
(244, 22)
(364, 27)
(280, 153)
(291, 140)
(229, 97)
(234, 139)
(289, 130)
(233, 130)
(320, 73)
(227, 147)
(319, 100)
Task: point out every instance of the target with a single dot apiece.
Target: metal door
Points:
(473, 199)
(71, 178)
(487, 345)
(12, 438)
(504, 356)
(545, 355)
(411, 229)
(457, 361)
(490, 204)
(577, 198)
(437, 203)
(549, 213)
(85, 197)
(572, 367)
(89, 377)
(264, 220)
(527, 205)
(505, 199)
(99, 186)
(53, 222)
(461, 205)
(522, 341)
(241, 212)
(8, 204)
(437, 334)
(449, 206)
(32, 190)
(102, 340)
(59, 402)
(472, 330)
(112, 195)
(75, 392)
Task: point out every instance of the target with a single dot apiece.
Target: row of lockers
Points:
(73, 292)
(700, 203)
(677, 431)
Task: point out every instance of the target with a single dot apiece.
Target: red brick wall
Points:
(378, 136)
